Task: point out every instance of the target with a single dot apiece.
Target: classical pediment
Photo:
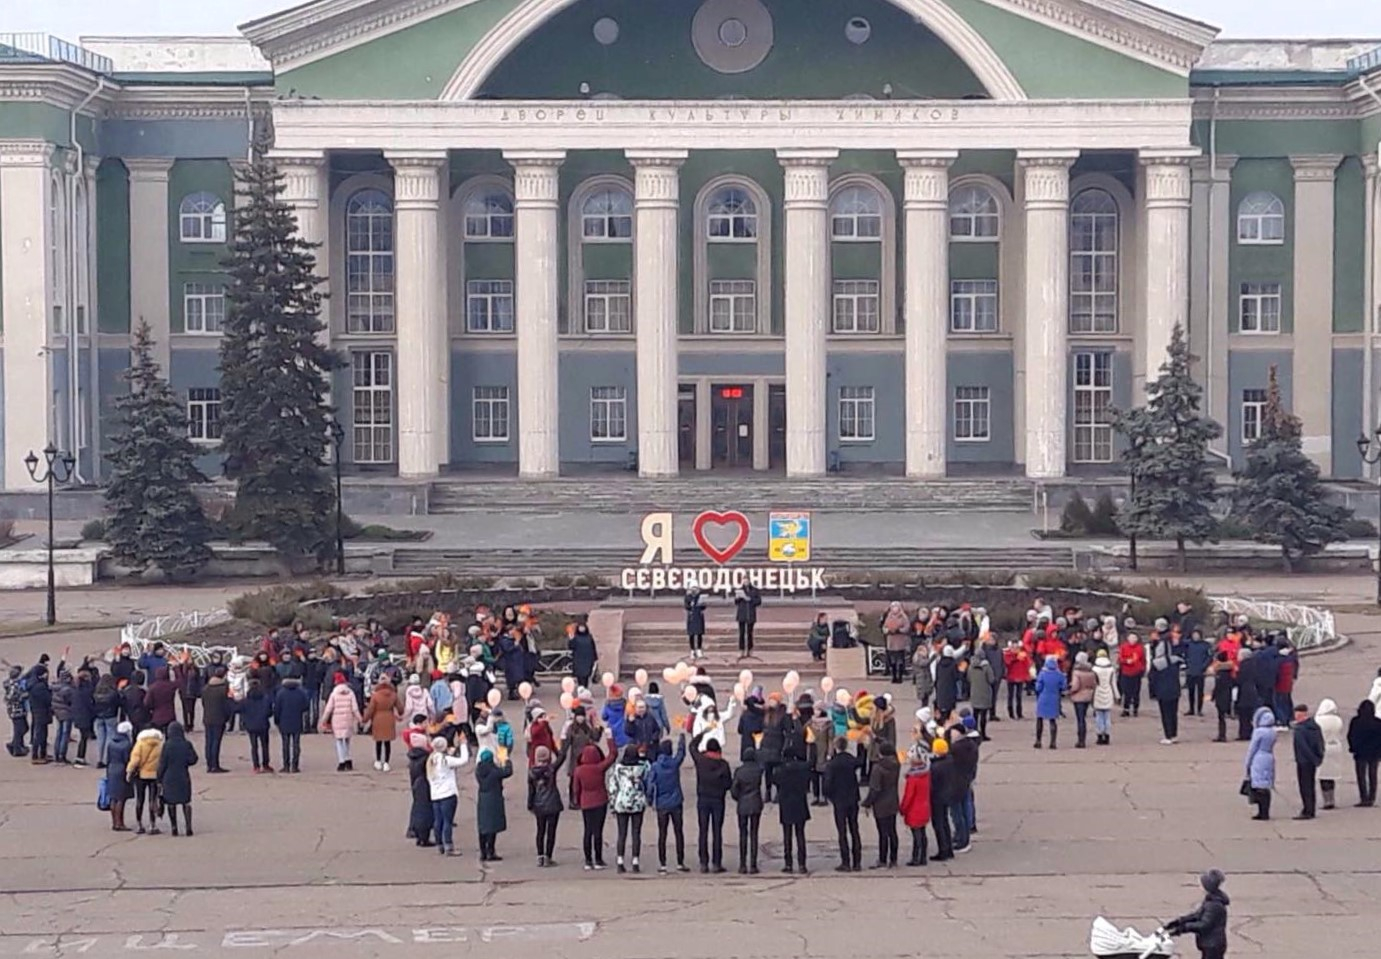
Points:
(323, 28)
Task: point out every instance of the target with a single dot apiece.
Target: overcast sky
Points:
(74, 18)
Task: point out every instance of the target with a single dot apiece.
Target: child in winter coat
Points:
(417, 699)
(1104, 697)
(915, 803)
(341, 718)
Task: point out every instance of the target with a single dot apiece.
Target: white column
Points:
(926, 300)
(1166, 270)
(656, 200)
(807, 306)
(148, 251)
(1209, 303)
(536, 201)
(26, 283)
(1312, 399)
(1369, 296)
(1045, 178)
(419, 310)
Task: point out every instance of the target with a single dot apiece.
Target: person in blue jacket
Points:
(1050, 686)
(290, 707)
(642, 728)
(657, 706)
(1197, 654)
(613, 716)
(664, 784)
(255, 711)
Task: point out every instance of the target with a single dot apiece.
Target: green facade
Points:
(1349, 248)
(1262, 263)
(195, 262)
(112, 247)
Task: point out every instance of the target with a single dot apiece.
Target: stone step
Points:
(608, 561)
(620, 493)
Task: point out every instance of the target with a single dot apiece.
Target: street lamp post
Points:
(1371, 454)
(58, 468)
(338, 439)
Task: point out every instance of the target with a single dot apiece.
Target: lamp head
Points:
(1363, 445)
(31, 461)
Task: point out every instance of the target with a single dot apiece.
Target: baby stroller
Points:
(1106, 941)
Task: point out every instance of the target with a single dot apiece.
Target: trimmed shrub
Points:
(1358, 527)
(1103, 521)
(1076, 517)
(93, 530)
(280, 605)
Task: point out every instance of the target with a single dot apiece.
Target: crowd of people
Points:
(440, 692)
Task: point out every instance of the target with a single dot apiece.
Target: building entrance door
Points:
(776, 425)
(731, 426)
(685, 425)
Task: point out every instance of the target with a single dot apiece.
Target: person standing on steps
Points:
(1260, 778)
(747, 599)
(695, 621)
(1334, 765)
(1310, 750)
(1050, 686)
(713, 780)
(746, 791)
(584, 655)
(841, 789)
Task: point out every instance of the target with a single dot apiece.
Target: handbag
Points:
(1245, 789)
(102, 795)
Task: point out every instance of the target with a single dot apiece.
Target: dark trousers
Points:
(383, 750)
(487, 846)
(1244, 724)
(1131, 693)
(189, 713)
(592, 842)
(980, 717)
(546, 833)
(1170, 717)
(918, 846)
(794, 837)
(696, 640)
(896, 664)
(39, 741)
(292, 750)
(959, 823)
(443, 821)
(745, 638)
(944, 840)
(887, 839)
(1054, 730)
(259, 750)
(769, 779)
(748, 840)
(675, 819)
(312, 718)
(1307, 792)
(21, 730)
(710, 816)
(1283, 705)
(1223, 715)
(1014, 698)
(1194, 695)
(1366, 780)
(1219, 952)
(850, 845)
(630, 821)
(215, 732)
(817, 781)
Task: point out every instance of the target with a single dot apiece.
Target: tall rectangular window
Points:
(204, 414)
(733, 306)
(856, 306)
(608, 414)
(856, 414)
(1259, 308)
(973, 306)
(608, 306)
(972, 414)
(203, 308)
(1253, 411)
(490, 414)
(489, 306)
(372, 402)
(1093, 407)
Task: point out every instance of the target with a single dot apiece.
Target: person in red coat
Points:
(1016, 661)
(1131, 666)
(539, 734)
(592, 798)
(915, 804)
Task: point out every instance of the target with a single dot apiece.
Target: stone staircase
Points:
(607, 561)
(624, 493)
(777, 648)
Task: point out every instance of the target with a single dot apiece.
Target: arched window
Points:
(1093, 265)
(369, 262)
(973, 214)
(607, 215)
(201, 218)
(731, 215)
(1261, 219)
(856, 215)
(489, 216)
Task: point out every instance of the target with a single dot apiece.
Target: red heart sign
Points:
(732, 518)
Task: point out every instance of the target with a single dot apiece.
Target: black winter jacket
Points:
(841, 781)
(747, 788)
(1209, 922)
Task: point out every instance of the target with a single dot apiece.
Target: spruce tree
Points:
(156, 518)
(1279, 494)
(1167, 457)
(274, 372)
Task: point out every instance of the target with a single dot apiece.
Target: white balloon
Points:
(746, 677)
(640, 677)
(738, 691)
(827, 685)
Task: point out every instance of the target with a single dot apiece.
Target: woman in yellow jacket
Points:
(142, 771)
